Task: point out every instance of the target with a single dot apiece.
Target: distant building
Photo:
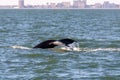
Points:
(21, 4)
(52, 5)
(8, 6)
(66, 4)
(63, 5)
(107, 4)
(59, 5)
(79, 3)
(98, 5)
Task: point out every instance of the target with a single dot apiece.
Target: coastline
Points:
(64, 8)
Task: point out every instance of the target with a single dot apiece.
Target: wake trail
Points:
(91, 49)
(74, 49)
(20, 47)
(102, 49)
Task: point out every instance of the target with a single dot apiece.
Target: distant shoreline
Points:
(64, 8)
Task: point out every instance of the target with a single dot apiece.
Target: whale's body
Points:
(53, 43)
(46, 44)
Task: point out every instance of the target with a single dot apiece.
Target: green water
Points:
(93, 29)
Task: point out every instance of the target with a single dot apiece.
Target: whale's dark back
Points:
(49, 43)
(67, 41)
(46, 44)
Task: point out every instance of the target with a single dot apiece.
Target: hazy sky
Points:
(12, 2)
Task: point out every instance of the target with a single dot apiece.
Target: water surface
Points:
(98, 31)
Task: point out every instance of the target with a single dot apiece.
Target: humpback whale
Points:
(53, 43)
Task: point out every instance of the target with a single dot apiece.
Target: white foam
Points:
(19, 47)
(89, 49)
(105, 49)
(74, 49)
(70, 49)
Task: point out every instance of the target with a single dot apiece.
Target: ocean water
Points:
(96, 31)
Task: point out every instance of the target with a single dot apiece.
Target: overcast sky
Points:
(35, 2)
